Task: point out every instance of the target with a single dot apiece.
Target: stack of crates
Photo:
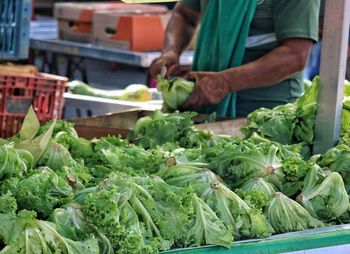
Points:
(15, 18)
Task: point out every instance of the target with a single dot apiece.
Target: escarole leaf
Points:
(35, 145)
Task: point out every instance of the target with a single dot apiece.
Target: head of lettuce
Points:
(175, 92)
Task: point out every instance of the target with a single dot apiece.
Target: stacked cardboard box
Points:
(141, 32)
(114, 24)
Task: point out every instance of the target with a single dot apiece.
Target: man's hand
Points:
(210, 89)
(178, 35)
(169, 60)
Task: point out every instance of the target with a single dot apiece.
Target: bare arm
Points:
(179, 33)
(290, 57)
(279, 64)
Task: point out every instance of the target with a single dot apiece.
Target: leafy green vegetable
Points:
(259, 184)
(277, 124)
(186, 176)
(346, 88)
(159, 129)
(71, 224)
(294, 171)
(110, 211)
(23, 233)
(306, 113)
(79, 148)
(125, 212)
(251, 162)
(174, 91)
(8, 203)
(324, 195)
(254, 198)
(14, 162)
(286, 215)
(56, 157)
(246, 221)
(134, 160)
(346, 114)
(287, 124)
(207, 228)
(60, 126)
(345, 138)
(229, 207)
(42, 191)
(123, 208)
(337, 159)
(28, 138)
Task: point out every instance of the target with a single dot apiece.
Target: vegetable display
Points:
(169, 185)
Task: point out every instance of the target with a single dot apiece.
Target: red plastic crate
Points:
(19, 92)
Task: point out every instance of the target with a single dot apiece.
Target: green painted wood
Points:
(304, 240)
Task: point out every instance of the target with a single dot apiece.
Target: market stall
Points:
(126, 172)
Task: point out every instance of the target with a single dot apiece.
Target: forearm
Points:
(276, 66)
(180, 29)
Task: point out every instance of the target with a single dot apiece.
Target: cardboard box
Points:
(10, 69)
(140, 32)
(75, 19)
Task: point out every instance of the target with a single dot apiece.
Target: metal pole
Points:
(332, 74)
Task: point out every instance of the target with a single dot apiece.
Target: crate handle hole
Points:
(18, 92)
(73, 24)
(110, 31)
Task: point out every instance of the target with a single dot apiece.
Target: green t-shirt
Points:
(284, 19)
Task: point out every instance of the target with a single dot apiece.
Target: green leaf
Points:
(286, 215)
(207, 228)
(37, 145)
(30, 126)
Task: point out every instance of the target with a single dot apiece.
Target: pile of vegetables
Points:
(169, 185)
(133, 92)
(294, 122)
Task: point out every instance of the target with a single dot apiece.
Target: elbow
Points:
(298, 53)
(300, 60)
